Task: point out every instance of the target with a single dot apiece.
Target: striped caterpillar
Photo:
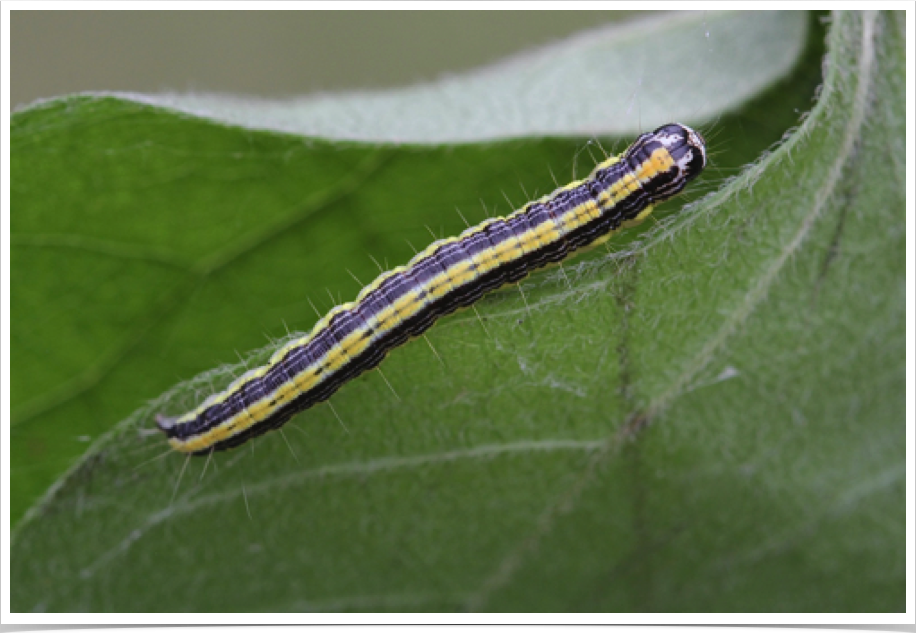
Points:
(449, 274)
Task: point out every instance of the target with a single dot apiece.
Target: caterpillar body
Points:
(449, 274)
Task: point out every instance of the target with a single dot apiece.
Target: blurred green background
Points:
(270, 53)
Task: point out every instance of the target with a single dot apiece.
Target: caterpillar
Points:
(449, 274)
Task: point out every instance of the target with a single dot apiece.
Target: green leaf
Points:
(708, 418)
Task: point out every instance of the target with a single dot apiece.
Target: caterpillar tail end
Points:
(165, 423)
(168, 425)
